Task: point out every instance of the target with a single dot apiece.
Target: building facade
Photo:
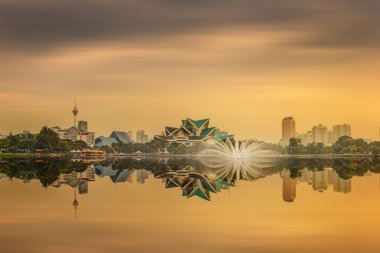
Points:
(320, 134)
(288, 128)
(83, 126)
(141, 137)
(115, 137)
(341, 130)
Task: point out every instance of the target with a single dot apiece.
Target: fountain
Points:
(240, 160)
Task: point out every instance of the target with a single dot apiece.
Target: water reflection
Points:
(194, 178)
(193, 183)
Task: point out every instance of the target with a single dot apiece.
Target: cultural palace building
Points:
(193, 131)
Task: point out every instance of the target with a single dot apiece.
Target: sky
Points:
(147, 64)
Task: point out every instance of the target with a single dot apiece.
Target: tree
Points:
(346, 144)
(374, 147)
(47, 139)
(295, 146)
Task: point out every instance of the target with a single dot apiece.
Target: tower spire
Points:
(75, 112)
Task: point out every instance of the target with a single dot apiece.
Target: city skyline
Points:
(316, 61)
(288, 130)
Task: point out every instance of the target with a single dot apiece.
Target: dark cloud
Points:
(42, 24)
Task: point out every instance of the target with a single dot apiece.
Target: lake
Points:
(189, 205)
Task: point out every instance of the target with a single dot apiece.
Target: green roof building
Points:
(192, 131)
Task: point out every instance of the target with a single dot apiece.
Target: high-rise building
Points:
(341, 130)
(320, 134)
(288, 128)
(141, 137)
(83, 125)
(306, 138)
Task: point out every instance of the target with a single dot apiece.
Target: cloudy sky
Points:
(245, 64)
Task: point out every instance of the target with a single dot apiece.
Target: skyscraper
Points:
(320, 134)
(83, 125)
(288, 128)
(341, 130)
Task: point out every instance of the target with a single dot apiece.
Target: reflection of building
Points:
(142, 175)
(288, 128)
(117, 176)
(193, 183)
(341, 130)
(321, 180)
(320, 134)
(340, 184)
(193, 131)
(288, 187)
(77, 180)
(74, 178)
(83, 187)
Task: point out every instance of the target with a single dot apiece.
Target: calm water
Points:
(130, 205)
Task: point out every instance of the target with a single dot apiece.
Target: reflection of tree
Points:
(47, 170)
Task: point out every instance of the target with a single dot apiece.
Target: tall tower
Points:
(75, 112)
(288, 128)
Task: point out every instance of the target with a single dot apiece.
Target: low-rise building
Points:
(115, 137)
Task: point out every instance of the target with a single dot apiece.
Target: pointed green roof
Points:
(207, 131)
(198, 123)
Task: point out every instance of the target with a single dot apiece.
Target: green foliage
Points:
(374, 148)
(155, 146)
(46, 140)
(348, 145)
(295, 146)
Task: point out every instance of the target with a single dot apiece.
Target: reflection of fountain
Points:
(235, 161)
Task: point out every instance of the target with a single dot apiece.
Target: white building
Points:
(76, 133)
(306, 138)
(141, 137)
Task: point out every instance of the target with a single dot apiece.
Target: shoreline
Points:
(54, 155)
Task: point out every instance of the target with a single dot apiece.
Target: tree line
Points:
(46, 141)
(344, 145)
